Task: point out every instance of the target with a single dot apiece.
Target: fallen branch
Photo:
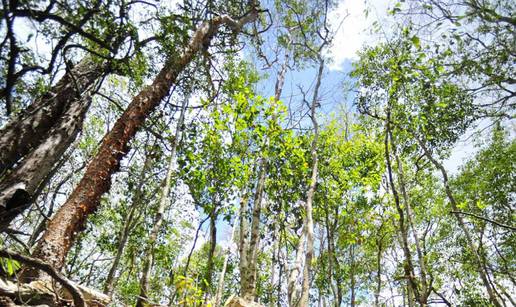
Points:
(77, 296)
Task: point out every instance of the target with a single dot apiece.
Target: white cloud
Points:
(354, 26)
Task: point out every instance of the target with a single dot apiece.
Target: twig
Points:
(485, 219)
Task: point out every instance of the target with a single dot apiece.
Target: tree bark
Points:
(295, 271)
(25, 132)
(207, 282)
(250, 271)
(408, 267)
(19, 187)
(84, 200)
(426, 288)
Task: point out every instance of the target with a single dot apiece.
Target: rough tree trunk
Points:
(41, 137)
(25, 132)
(84, 200)
(18, 188)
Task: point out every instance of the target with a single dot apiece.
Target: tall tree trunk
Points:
(484, 275)
(84, 200)
(250, 271)
(243, 240)
(129, 223)
(206, 284)
(426, 288)
(295, 271)
(148, 258)
(220, 285)
(379, 244)
(311, 192)
(352, 275)
(18, 188)
(274, 262)
(408, 267)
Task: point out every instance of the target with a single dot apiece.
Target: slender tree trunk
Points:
(243, 239)
(84, 200)
(484, 275)
(129, 223)
(274, 262)
(250, 272)
(311, 192)
(207, 282)
(148, 258)
(379, 244)
(407, 265)
(425, 287)
(295, 271)
(220, 285)
(352, 275)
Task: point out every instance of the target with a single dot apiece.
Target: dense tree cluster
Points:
(188, 154)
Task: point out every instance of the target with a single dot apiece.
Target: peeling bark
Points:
(84, 200)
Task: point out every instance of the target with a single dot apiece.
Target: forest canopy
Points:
(258, 153)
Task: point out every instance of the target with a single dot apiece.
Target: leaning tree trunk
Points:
(26, 131)
(84, 200)
(19, 187)
(40, 136)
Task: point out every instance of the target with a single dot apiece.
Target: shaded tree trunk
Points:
(19, 187)
(84, 200)
(25, 132)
